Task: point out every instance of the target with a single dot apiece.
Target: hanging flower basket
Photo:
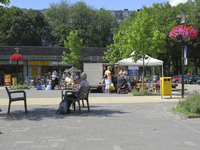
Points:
(17, 57)
(183, 33)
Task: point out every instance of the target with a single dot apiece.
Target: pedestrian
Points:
(39, 77)
(56, 73)
(49, 76)
(69, 80)
(54, 81)
(108, 80)
(63, 76)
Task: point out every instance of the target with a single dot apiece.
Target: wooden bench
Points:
(83, 94)
(13, 99)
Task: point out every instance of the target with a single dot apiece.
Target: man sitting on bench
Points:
(84, 83)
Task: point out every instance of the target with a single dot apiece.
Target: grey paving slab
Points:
(107, 126)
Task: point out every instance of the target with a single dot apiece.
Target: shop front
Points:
(44, 67)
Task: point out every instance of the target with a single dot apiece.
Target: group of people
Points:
(112, 79)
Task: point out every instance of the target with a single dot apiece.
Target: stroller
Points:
(122, 85)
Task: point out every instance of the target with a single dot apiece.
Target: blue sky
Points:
(107, 4)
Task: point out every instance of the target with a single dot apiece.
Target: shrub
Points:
(141, 92)
(191, 104)
(19, 87)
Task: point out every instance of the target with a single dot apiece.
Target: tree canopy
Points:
(75, 44)
(96, 26)
(138, 38)
(25, 29)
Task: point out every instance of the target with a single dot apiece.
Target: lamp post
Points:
(17, 52)
(171, 67)
(182, 16)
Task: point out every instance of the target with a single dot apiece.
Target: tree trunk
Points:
(143, 75)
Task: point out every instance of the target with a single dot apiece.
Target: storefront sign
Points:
(38, 63)
(7, 79)
(46, 63)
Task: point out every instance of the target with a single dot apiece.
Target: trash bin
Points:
(14, 81)
(165, 86)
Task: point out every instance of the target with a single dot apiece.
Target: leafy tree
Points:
(75, 45)
(103, 28)
(4, 11)
(96, 26)
(139, 39)
(25, 29)
(58, 15)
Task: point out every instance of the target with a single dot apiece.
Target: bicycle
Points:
(27, 81)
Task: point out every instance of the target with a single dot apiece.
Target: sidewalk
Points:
(35, 97)
(115, 122)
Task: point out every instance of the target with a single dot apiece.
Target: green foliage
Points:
(25, 29)
(20, 87)
(4, 11)
(75, 45)
(141, 92)
(190, 105)
(96, 26)
(137, 37)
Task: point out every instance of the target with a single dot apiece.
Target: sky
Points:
(107, 4)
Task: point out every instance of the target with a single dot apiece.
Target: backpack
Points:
(63, 107)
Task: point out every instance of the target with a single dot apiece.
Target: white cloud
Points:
(176, 2)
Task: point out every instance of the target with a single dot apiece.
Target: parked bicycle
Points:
(27, 81)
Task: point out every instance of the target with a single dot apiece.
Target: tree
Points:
(25, 29)
(4, 11)
(75, 45)
(96, 26)
(138, 39)
(103, 28)
(58, 15)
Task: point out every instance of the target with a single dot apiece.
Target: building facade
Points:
(41, 60)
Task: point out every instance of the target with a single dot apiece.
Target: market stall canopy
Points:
(72, 69)
(148, 62)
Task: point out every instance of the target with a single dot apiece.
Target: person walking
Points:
(108, 80)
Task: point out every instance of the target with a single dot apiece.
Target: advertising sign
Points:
(7, 80)
(133, 71)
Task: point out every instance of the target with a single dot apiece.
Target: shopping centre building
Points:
(41, 60)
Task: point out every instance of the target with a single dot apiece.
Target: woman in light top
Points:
(108, 80)
(69, 80)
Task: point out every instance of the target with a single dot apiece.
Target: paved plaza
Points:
(115, 122)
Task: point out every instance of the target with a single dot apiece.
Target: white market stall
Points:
(147, 62)
(73, 71)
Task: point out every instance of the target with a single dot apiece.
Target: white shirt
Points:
(69, 80)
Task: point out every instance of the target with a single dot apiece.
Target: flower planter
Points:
(151, 86)
(180, 39)
(183, 33)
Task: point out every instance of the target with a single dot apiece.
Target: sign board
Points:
(133, 71)
(47, 63)
(7, 79)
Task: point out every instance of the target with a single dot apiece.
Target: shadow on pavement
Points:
(38, 114)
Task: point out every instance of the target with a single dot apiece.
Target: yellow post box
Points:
(165, 86)
(14, 81)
